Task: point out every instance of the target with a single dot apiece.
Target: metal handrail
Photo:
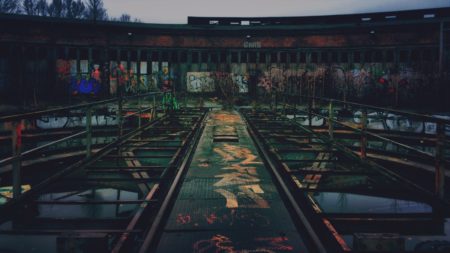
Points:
(427, 118)
(17, 156)
(34, 150)
(430, 155)
(438, 157)
(34, 114)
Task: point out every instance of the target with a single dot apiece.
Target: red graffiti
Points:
(19, 128)
(183, 219)
(212, 218)
(220, 243)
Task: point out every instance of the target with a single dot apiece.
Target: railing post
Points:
(439, 169)
(88, 131)
(139, 112)
(154, 108)
(330, 119)
(295, 106)
(17, 149)
(310, 112)
(120, 116)
(363, 143)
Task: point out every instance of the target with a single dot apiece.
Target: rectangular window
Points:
(314, 57)
(195, 57)
(234, 57)
(302, 57)
(273, 57)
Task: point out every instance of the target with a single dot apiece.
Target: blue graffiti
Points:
(84, 86)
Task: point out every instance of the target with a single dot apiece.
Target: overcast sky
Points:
(176, 11)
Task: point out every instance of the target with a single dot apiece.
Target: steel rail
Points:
(34, 150)
(87, 161)
(424, 117)
(380, 168)
(424, 153)
(150, 237)
(317, 240)
(34, 114)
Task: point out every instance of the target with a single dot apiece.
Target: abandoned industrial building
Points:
(225, 134)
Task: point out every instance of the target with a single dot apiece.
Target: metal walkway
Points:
(228, 201)
(219, 181)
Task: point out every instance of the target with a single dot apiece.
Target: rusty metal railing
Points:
(436, 159)
(146, 102)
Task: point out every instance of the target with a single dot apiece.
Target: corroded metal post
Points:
(441, 48)
(330, 119)
(439, 161)
(363, 144)
(120, 116)
(17, 149)
(310, 112)
(88, 131)
(154, 107)
(139, 112)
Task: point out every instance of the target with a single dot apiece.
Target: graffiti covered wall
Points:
(200, 82)
(210, 81)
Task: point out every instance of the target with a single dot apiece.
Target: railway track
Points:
(109, 203)
(343, 197)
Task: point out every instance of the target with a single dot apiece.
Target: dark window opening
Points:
(195, 57)
(234, 57)
(293, 57)
(314, 57)
(133, 56)
(174, 57)
(368, 56)
(61, 53)
(357, 57)
(73, 53)
(204, 56)
(273, 57)
(155, 56)
(415, 55)
(389, 56)
(214, 57)
(283, 57)
(30, 53)
(334, 57)
(303, 57)
(143, 56)
(223, 57)
(244, 56)
(252, 57)
(165, 56)
(262, 57)
(344, 57)
(84, 54)
(378, 56)
(403, 57)
(183, 56)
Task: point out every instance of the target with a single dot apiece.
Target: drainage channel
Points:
(346, 199)
(228, 201)
(109, 204)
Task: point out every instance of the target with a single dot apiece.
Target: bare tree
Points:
(56, 9)
(42, 8)
(95, 10)
(29, 7)
(125, 18)
(9, 6)
(74, 9)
